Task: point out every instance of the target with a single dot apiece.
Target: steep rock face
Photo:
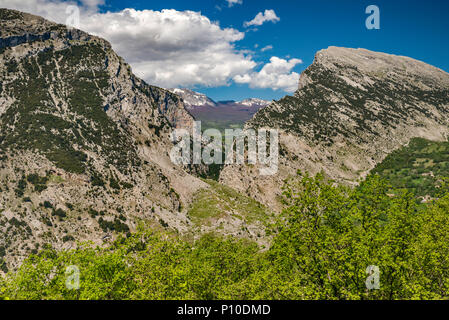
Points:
(352, 108)
(84, 144)
(172, 107)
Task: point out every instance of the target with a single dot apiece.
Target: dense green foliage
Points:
(322, 245)
(418, 167)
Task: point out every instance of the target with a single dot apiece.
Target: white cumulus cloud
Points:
(231, 3)
(169, 48)
(262, 17)
(277, 74)
(173, 48)
(266, 48)
(92, 3)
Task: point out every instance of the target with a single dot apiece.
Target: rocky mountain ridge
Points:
(84, 144)
(352, 108)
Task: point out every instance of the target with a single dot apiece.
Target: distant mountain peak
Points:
(255, 102)
(193, 99)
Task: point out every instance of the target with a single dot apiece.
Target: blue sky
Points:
(418, 29)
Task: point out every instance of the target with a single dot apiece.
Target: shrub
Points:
(47, 204)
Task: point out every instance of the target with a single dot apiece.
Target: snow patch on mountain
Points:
(193, 99)
(254, 102)
(196, 99)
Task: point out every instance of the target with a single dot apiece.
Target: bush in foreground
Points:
(322, 245)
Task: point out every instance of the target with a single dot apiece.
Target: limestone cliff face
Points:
(84, 144)
(26, 34)
(352, 108)
(173, 108)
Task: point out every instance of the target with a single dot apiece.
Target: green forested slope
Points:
(322, 246)
(419, 167)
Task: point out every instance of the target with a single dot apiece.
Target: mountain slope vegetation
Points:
(421, 167)
(322, 246)
(87, 183)
(353, 107)
(84, 143)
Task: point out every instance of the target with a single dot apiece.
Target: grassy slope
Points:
(418, 167)
(211, 204)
